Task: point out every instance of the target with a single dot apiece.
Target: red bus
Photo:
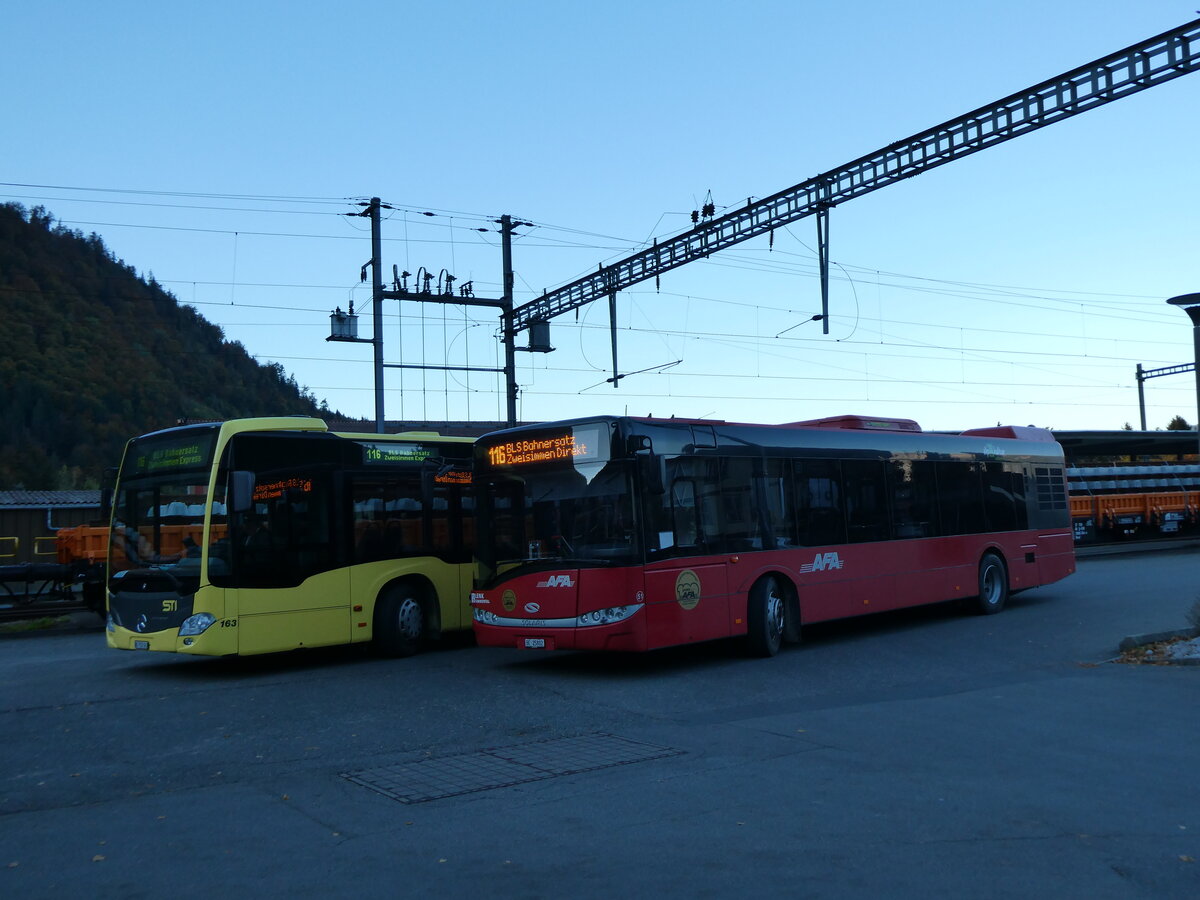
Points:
(619, 533)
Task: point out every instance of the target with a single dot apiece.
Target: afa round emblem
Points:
(687, 589)
(508, 600)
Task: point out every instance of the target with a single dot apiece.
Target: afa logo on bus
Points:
(823, 562)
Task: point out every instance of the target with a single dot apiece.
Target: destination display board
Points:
(570, 445)
(387, 452)
(162, 455)
(276, 489)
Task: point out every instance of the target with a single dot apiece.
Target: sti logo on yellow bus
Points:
(687, 589)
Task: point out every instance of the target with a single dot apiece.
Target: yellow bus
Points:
(262, 535)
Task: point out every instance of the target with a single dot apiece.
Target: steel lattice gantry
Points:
(1136, 68)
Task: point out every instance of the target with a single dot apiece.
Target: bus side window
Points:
(819, 502)
(960, 498)
(914, 498)
(999, 500)
(776, 504)
(683, 513)
(740, 521)
(867, 516)
(368, 521)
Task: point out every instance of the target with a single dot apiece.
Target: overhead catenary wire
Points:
(1115, 308)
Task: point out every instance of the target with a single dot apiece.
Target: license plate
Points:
(535, 643)
(141, 645)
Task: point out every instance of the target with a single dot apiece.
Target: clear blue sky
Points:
(219, 145)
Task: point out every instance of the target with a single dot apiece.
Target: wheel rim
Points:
(409, 618)
(774, 612)
(991, 585)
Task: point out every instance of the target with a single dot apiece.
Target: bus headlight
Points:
(110, 623)
(607, 616)
(197, 624)
(486, 616)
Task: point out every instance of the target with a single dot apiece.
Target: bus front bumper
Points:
(213, 642)
(627, 633)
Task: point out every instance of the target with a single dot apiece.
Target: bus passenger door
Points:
(291, 590)
(686, 603)
(687, 595)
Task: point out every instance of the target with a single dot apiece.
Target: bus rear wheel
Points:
(399, 621)
(766, 612)
(993, 585)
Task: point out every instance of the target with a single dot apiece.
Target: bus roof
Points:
(897, 438)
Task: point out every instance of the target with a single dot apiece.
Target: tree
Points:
(93, 354)
(1179, 423)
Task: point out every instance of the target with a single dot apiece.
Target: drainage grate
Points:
(497, 767)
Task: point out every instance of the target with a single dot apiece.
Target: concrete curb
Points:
(1134, 641)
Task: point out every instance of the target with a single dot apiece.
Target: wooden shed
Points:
(29, 521)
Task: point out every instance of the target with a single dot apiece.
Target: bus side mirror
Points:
(650, 467)
(241, 491)
(430, 467)
(636, 442)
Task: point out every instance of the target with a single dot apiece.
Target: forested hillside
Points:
(91, 354)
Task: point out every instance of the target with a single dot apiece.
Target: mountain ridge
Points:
(92, 355)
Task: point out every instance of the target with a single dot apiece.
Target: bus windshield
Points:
(578, 513)
(158, 512)
(157, 522)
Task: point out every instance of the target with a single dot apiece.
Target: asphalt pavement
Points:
(915, 754)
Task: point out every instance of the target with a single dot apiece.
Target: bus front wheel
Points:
(766, 617)
(993, 585)
(399, 621)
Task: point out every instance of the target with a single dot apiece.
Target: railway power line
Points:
(1150, 62)
(1136, 68)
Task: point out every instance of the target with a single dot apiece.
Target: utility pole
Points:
(344, 327)
(508, 333)
(377, 309)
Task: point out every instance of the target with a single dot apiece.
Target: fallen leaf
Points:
(13, 865)
(97, 858)
(1183, 857)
